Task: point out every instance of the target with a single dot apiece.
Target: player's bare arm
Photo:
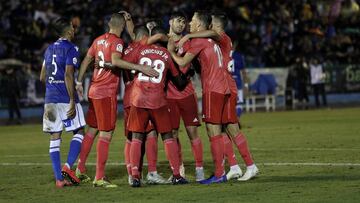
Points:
(181, 61)
(69, 83)
(129, 24)
(200, 34)
(43, 73)
(83, 67)
(157, 38)
(118, 62)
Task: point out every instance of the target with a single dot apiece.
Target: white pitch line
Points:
(188, 150)
(164, 164)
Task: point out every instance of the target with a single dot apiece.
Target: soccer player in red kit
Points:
(214, 86)
(141, 38)
(184, 103)
(149, 104)
(218, 24)
(108, 48)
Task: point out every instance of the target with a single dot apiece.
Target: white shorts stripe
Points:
(77, 139)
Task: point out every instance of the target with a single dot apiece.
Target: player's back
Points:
(213, 72)
(148, 92)
(105, 82)
(56, 57)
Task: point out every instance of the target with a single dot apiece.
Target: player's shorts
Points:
(219, 108)
(102, 113)
(149, 127)
(139, 119)
(55, 118)
(185, 108)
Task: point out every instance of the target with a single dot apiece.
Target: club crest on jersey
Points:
(119, 48)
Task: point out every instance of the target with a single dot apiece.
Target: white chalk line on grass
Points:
(264, 164)
(188, 150)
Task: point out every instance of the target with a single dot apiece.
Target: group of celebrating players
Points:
(158, 92)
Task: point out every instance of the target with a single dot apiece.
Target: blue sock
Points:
(55, 158)
(75, 147)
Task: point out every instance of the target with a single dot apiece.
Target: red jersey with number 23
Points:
(213, 74)
(148, 92)
(105, 82)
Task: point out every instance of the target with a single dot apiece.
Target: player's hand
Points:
(182, 41)
(71, 112)
(171, 45)
(151, 25)
(126, 15)
(149, 71)
(80, 90)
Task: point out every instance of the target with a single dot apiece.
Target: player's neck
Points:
(65, 38)
(115, 32)
(176, 37)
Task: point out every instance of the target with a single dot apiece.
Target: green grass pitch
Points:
(303, 156)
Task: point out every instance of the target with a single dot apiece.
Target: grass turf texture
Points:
(317, 136)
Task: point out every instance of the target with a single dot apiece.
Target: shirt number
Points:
(54, 64)
(101, 62)
(158, 65)
(219, 54)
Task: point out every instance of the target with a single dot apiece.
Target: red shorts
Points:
(185, 108)
(139, 119)
(149, 127)
(102, 113)
(219, 108)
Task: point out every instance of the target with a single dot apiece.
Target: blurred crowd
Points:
(267, 33)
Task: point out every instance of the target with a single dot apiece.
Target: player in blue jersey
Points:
(240, 77)
(62, 107)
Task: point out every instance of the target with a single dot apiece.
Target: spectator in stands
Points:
(12, 93)
(318, 80)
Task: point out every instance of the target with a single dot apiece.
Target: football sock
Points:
(151, 152)
(75, 147)
(102, 156)
(55, 158)
(242, 146)
(229, 151)
(127, 156)
(217, 152)
(197, 149)
(171, 151)
(179, 150)
(85, 150)
(135, 156)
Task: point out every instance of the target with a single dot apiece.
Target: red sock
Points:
(171, 154)
(229, 151)
(241, 144)
(127, 156)
(102, 156)
(179, 150)
(135, 156)
(85, 150)
(217, 152)
(151, 152)
(197, 149)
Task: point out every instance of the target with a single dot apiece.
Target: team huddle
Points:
(156, 68)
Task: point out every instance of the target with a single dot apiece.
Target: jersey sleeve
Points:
(117, 47)
(195, 47)
(129, 55)
(72, 57)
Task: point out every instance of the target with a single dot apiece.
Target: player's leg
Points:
(106, 112)
(213, 104)
(189, 113)
(240, 141)
(87, 142)
(52, 124)
(161, 119)
(127, 146)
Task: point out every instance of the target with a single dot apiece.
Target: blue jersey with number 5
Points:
(57, 56)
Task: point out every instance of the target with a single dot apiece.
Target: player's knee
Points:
(192, 132)
(138, 136)
(166, 136)
(55, 136)
(79, 131)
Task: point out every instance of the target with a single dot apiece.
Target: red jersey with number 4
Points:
(148, 92)
(226, 48)
(213, 72)
(172, 91)
(130, 55)
(105, 82)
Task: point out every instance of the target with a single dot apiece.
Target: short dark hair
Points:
(178, 14)
(158, 30)
(222, 17)
(117, 19)
(141, 30)
(204, 17)
(61, 25)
